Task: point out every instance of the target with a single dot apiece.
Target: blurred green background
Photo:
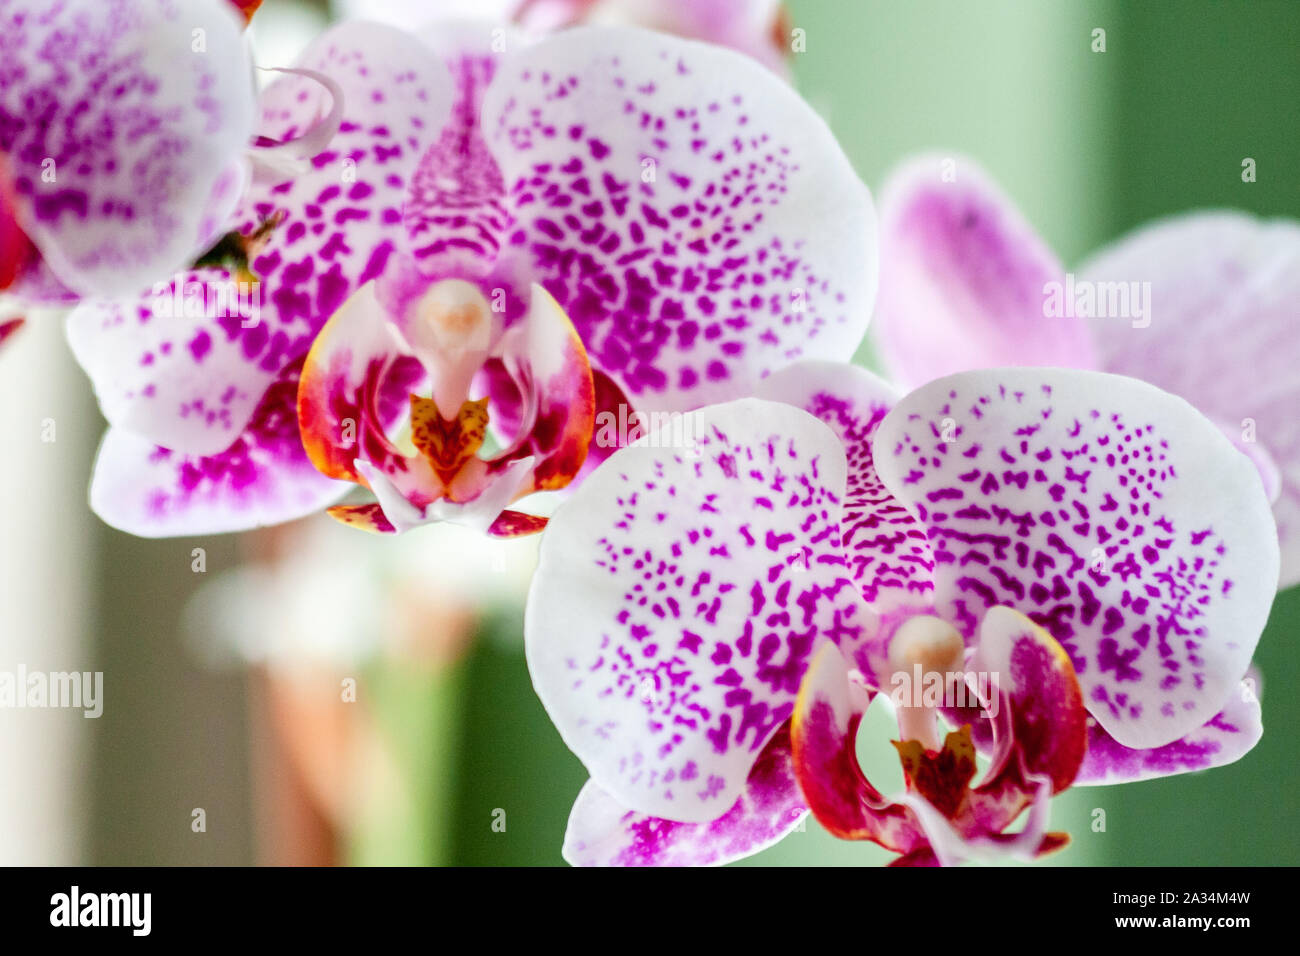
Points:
(1089, 144)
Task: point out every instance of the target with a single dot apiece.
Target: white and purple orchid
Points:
(674, 204)
(1201, 304)
(708, 624)
(123, 127)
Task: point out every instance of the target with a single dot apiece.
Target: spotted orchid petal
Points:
(123, 123)
(186, 365)
(1223, 293)
(601, 832)
(695, 219)
(678, 597)
(264, 478)
(1107, 511)
(755, 27)
(456, 211)
(964, 278)
(886, 547)
(173, 368)
(1227, 737)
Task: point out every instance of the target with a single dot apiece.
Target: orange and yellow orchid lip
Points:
(400, 358)
(945, 815)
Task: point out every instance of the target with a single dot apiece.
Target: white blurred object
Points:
(46, 431)
(340, 596)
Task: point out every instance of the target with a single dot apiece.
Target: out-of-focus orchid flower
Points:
(694, 219)
(1202, 304)
(123, 127)
(755, 27)
(1081, 553)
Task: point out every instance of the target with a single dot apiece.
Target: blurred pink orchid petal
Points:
(118, 191)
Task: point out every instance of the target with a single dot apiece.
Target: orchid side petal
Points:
(1223, 301)
(1227, 737)
(696, 219)
(263, 478)
(964, 278)
(601, 832)
(677, 600)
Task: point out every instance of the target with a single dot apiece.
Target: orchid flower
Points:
(1202, 304)
(708, 623)
(123, 126)
(675, 205)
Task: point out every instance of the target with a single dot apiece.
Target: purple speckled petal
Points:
(1224, 304)
(456, 210)
(962, 278)
(694, 217)
(678, 597)
(165, 368)
(191, 383)
(1110, 513)
(343, 210)
(263, 478)
(1227, 737)
(602, 832)
(122, 122)
(887, 550)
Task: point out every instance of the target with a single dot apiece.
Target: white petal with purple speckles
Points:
(263, 478)
(678, 597)
(344, 212)
(456, 211)
(602, 832)
(122, 120)
(1223, 311)
(694, 217)
(167, 368)
(886, 546)
(962, 278)
(192, 384)
(1227, 737)
(1109, 512)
